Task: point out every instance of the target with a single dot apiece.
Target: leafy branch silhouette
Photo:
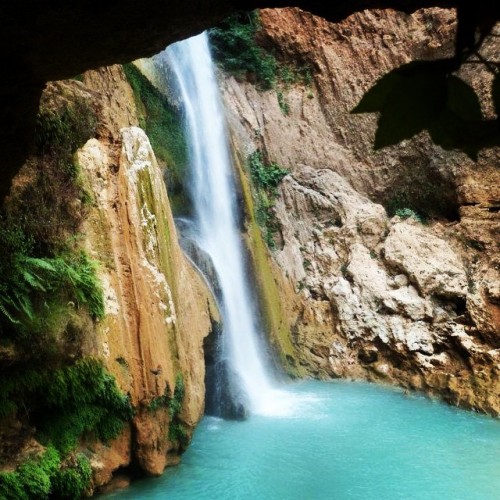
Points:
(427, 95)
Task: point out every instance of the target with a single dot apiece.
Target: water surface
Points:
(341, 441)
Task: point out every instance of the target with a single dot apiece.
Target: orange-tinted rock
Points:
(379, 298)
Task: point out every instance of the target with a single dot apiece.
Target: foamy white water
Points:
(213, 193)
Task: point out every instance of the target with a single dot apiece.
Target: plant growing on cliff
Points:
(265, 179)
(407, 213)
(282, 103)
(235, 49)
(47, 476)
(265, 175)
(27, 281)
(73, 478)
(62, 405)
(173, 403)
(177, 431)
(32, 479)
(66, 403)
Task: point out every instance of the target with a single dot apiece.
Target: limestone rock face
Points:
(378, 298)
(387, 296)
(158, 309)
(429, 261)
(117, 104)
(157, 306)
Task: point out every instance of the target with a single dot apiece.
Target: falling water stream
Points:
(212, 186)
(312, 440)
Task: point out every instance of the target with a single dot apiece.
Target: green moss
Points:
(282, 103)
(46, 477)
(32, 479)
(173, 403)
(162, 123)
(265, 179)
(72, 479)
(67, 403)
(177, 431)
(270, 295)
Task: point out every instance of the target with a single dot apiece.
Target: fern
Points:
(24, 277)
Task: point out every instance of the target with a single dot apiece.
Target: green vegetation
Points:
(406, 213)
(46, 476)
(163, 125)
(28, 283)
(66, 403)
(282, 103)
(73, 478)
(236, 49)
(265, 179)
(173, 403)
(177, 431)
(32, 479)
(265, 175)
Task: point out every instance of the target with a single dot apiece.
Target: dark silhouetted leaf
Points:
(462, 100)
(447, 130)
(495, 94)
(414, 103)
(424, 95)
(450, 131)
(413, 68)
(375, 98)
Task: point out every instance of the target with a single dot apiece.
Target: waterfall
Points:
(212, 189)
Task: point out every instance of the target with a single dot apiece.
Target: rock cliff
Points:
(382, 297)
(158, 309)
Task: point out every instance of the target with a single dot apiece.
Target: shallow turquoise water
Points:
(343, 441)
